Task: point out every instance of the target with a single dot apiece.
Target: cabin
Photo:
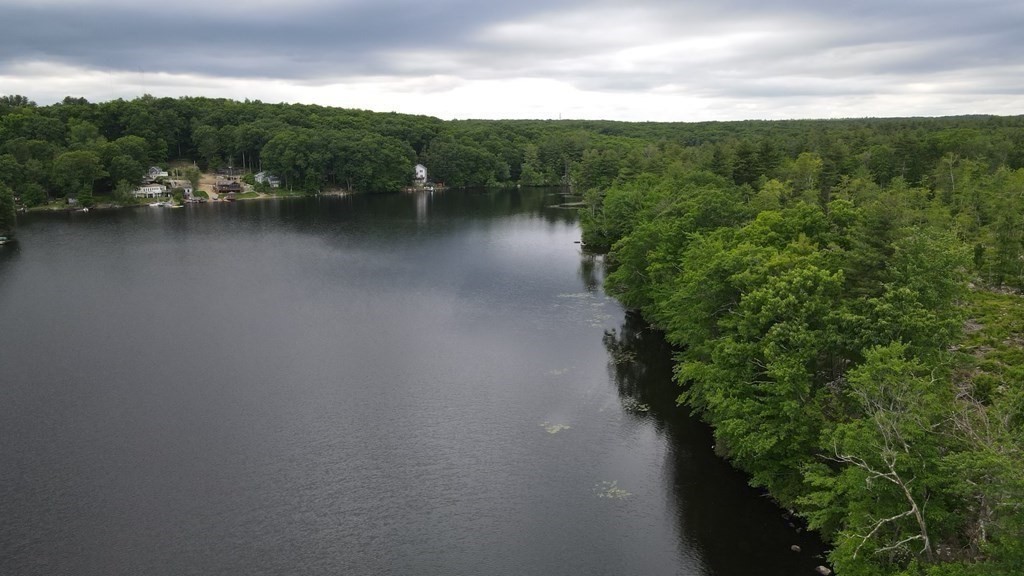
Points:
(268, 178)
(419, 175)
(227, 187)
(156, 172)
(150, 191)
(184, 185)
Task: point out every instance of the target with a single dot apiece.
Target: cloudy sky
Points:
(625, 60)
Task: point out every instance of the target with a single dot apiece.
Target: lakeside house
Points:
(419, 175)
(150, 191)
(268, 178)
(184, 185)
(227, 187)
(155, 173)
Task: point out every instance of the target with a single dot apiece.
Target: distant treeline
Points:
(74, 146)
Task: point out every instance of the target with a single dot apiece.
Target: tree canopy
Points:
(818, 301)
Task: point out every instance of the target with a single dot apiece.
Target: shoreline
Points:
(58, 207)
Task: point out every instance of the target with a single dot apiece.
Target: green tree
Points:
(531, 173)
(193, 175)
(8, 218)
(15, 101)
(76, 172)
(804, 174)
(461, 165)
(124, 168)
(887, 458)
(10, 169)
(32, 194)
(207, 143)
(83, 134)
(123, 192)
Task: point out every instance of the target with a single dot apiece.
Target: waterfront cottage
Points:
(150, 191)
(227, 187)
(268, 178)
(184, 185)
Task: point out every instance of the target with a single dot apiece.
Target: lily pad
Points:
(555, 428)
(610, 489)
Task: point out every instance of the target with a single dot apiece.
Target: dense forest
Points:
(845, 300)
(843, 295)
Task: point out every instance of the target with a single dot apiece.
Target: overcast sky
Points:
(622, 60)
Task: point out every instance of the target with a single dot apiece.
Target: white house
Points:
(150, 191)
(268, 178)
(420, 174)
(156, 172)
(185, 185)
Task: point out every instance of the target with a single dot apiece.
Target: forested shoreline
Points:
(850, 324)
(844, 295)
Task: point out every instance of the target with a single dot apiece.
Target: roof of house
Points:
(226, 185)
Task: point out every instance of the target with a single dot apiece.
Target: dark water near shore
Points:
(429, 385)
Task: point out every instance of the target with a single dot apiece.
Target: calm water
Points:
(407, 385)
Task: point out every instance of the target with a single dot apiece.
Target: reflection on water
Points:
(737, 529)
(590, 266)
(8, 252)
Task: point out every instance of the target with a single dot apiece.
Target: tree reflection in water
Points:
(590, 271)
(735, 527)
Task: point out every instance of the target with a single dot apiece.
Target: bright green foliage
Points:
(886, 461)
(924, 278)
(813, 312)
(758, 314)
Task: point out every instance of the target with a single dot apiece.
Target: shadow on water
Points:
(310, 214)
(736, 528)
(416, 207)
(8, 255)
(590, 271)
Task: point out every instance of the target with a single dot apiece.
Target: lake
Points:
(416, 384)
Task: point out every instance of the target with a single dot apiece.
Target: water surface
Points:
(404, 384)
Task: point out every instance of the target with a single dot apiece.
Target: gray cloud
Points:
(316, 41)
(737, 49)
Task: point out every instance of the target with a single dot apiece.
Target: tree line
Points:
(847, 317)
(74, 145)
